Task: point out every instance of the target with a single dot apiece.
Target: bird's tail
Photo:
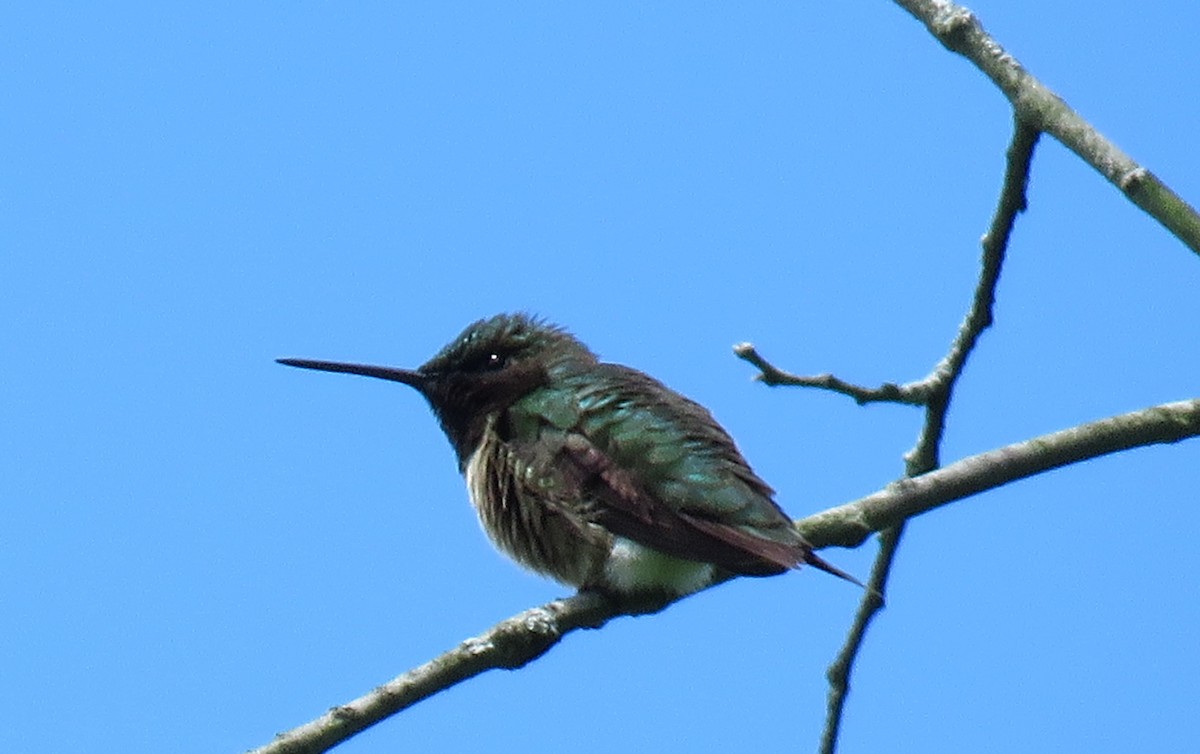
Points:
(816, 561)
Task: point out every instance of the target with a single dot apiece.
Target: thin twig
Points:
(838, 673)
(995, 241)
(937, 388)
(912, 393)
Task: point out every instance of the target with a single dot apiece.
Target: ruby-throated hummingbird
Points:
(596, 474)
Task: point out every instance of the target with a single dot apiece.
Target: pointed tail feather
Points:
(814, 560)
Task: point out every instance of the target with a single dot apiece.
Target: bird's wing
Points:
(622, 505)
(652, 466)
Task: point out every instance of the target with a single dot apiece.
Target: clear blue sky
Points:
(199, 548)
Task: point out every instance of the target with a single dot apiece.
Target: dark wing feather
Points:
(663, 473)
(622, 506)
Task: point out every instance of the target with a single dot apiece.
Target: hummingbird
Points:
(592, 473)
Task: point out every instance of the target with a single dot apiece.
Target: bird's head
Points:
(491, 364)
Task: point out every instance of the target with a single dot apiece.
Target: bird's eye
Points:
(486, 361)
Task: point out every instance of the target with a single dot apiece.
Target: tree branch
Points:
(921, 392)
(936, 390)
(960, 31)
(849, 525)
(525, 637)
(838, 673)
(911, 393)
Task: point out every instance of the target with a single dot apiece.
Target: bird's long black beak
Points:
(407, 376)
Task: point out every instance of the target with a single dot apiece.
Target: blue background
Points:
(199, 548)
